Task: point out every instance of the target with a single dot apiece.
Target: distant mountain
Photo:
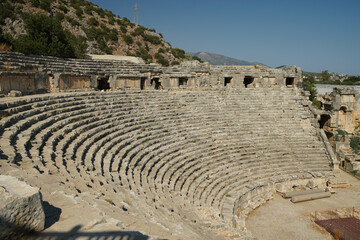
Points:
(217, 59)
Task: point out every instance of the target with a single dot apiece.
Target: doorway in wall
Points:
(103, 83)
(248, 80)
(227, 81)
(155, 82)
(324, 121)
(290, 82)
(183, 81)
(143, 83)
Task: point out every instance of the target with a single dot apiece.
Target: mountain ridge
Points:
(218, 59)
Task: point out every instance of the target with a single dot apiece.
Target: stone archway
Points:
(342, 117)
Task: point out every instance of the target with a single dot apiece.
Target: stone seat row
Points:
(28, 64)
(153, 146)
(40, 127)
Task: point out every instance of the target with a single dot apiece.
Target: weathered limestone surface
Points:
(341, 111)
(20, 208)
(307, 197)
(191, 147)
(29, 74)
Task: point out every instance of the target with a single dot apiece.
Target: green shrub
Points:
(317, 104)
(60, 16)
(93, 22)
(128, 22)
(111, 21)
(197, 58)
(18, 10)
(6, 39)
(72, 21)
(173, 63)
(128, 39)
(103, 46)
(178, 53)
(161, 50)
(309, 85)
(89, 9)
(79, 12)
(45, 36)
(63, 8)
(6, 11)
(342, 132)
(138, 31)
(143, 54)
(354, 144)
(78, 43)
(35, 3)
(152, 39)
(104, 28)
(123, 29)
(161, 59)
(46, 5)
(113, 35)
(109, 14)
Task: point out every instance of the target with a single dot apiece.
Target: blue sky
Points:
(315, 35)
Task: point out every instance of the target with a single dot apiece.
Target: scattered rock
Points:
(21, 209)
(15, 93)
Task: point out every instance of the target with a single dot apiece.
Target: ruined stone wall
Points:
(56, 74)
(127, 83)
(70, 82)
(343, 108)
(24, 82)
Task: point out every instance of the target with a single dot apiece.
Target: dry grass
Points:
(4, 47)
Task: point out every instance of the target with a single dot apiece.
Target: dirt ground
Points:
(282, 219)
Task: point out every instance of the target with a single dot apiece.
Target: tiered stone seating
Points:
(24, 63)
(215, 149)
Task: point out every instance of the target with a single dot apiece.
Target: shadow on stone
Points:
(52, 214)
(75, 233)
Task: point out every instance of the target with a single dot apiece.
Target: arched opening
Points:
(248, 80)
(343, 109)
(325, 120)
(342, 118)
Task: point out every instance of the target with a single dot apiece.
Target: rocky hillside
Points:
(73, 28)
(217, 59)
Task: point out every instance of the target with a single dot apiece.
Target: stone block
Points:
(15, 93)
(21, 209)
